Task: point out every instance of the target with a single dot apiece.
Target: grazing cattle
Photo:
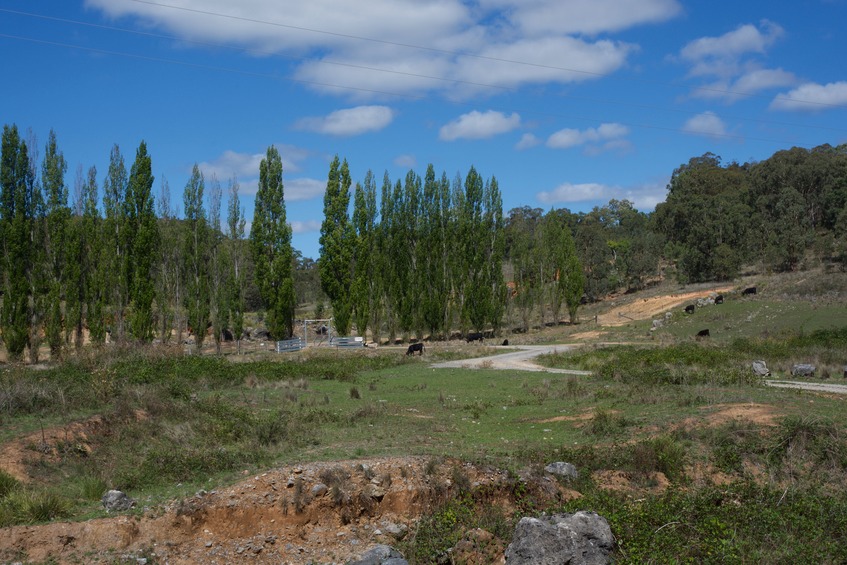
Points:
(415, 348)
(689, 309)
(322, 330)
(476, 336)
(703, 333)
(719, 299)
(505, 342)
(748, 291)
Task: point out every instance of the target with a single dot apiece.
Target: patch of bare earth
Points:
(283, 515)
(646, 308)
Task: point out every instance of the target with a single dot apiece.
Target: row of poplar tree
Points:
(126, 270)
(426, 260)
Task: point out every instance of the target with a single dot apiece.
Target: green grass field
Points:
(755, 474)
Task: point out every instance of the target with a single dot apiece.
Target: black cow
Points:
(476, 336)
(703, 333)
(322, 330)
(505, 342)
(719, 299)
(689, 309)
(415, 348)
(748, 291)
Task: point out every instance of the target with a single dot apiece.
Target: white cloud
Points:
(350, 121)
(748, 83)
(568, 192)
(479, 125)
(707, 123)
(729, 46)
(583, 16)
(812, 97)
(605, 137)
(644, 197)
(303, 189)
(527, 141)
(407, 161)
(731, 61)
(308, 226)
(246, 165)
(369, 52)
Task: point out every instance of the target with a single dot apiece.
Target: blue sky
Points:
(569, 103)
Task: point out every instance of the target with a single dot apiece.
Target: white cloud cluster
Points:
(459, 47)
(812, 97)
(706, 123)
(479, 125)
(728, 62)
(350, 121)
(644, 197)
(307, 226)
(605, 137)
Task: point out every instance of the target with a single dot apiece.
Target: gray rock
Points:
(803, 370)
(562, 469)
(319, 489)
(117, 501)
(397, 531)
(380, 555)
(583, 538)
(760, 369)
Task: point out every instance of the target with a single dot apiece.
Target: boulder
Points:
(562, 469)
(117, 501)
(380, 555)
(583, 538)
(760, 369)
(803, 370)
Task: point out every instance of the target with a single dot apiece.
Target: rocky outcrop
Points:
(583, 538)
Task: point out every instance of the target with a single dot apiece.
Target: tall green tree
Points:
(17, 185)
(337, 244)
(366, 279)
(196, 256)
(142, 244)
(116, 255)
(270, 240)
(55, 239)
(218, 266)
(235, 230)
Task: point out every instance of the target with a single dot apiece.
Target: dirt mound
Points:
(315, 513)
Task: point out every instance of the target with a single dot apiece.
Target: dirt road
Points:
(814, 387)
(518, 358)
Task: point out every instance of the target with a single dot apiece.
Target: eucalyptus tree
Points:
(337, 243)
(270, 239)
(142, 245)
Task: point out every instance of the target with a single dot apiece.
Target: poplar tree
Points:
(337, 243)
(55, 239)
(16, 187)
(270, 243)
(365, 278)
(195, 253)
(218, 268)
(142, 244)
(235, 225)
(115, 254)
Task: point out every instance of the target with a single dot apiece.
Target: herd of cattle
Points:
(689, 309)
(749, 291)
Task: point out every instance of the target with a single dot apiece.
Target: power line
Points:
(361, 67)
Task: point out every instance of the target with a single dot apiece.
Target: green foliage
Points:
(196, 256)
(270, 241)
(8, 483)
(338, 245)
(143, 233)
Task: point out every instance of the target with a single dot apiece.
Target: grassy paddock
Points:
(179, 422)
